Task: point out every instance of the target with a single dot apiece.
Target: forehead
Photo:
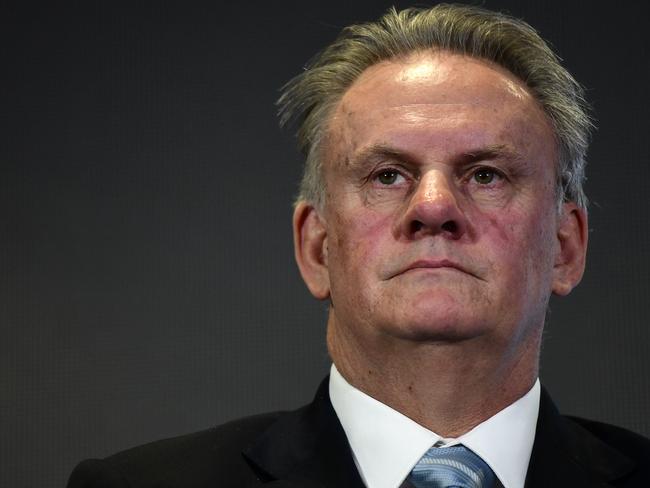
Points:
(438, 101)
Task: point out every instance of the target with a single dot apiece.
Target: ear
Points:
(572, 238)
(310, 248)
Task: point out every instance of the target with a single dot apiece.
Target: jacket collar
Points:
(566, 454)
(306, 448)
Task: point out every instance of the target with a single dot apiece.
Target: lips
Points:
(433, 264)
(424, 264)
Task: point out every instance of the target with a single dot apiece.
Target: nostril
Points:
(416, 225)
(450, 226)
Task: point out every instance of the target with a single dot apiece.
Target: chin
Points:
(436, 333)
(433, 321)
(438, 326)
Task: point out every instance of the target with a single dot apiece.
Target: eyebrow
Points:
(492, 151)
(378, 152)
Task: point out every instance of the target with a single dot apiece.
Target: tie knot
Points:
(451, 467)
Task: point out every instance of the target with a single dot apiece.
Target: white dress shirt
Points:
(386, 444)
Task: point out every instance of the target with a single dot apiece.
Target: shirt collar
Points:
(386, 444)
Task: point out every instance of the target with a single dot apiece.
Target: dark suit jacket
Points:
(307, 448)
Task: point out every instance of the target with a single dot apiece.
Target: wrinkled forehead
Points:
(436, 90)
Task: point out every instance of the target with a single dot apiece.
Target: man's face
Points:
(440, 220)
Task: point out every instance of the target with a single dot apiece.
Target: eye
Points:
(388, 177)
(485, 176)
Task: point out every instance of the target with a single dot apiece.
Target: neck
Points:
(447, 387)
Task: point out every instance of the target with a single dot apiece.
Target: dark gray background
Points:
(148, 287)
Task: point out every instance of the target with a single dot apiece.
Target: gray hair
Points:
(310, 97)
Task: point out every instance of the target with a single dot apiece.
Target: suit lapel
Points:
(566, 454)
(306, 448)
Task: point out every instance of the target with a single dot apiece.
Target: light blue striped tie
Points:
(451, 467)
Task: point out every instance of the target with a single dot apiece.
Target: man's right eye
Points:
(387, 177)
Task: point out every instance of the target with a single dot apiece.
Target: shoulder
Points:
(572, 451)
(634, 446)
(204, 458)
(618, 455)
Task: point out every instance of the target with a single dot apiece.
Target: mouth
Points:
(435, 264)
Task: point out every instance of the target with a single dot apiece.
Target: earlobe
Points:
(310, 248)
(572, 235)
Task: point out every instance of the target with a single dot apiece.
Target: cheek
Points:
(523, 242)
(356, 241)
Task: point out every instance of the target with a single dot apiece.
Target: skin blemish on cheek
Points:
(341, 241)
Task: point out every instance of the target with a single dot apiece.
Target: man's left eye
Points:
(485, 176)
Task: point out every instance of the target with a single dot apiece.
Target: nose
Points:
(433, 209)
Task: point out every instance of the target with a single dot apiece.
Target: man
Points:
(441, 205)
